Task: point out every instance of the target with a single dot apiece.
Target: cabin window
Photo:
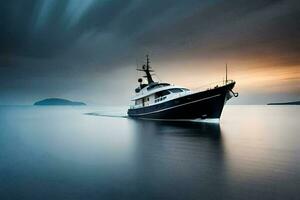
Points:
(175, 90)
(184, 89)
(138, 102)
(160, 99)
(161, 93)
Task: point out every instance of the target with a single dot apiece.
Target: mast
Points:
(226, 75)
(147, 69)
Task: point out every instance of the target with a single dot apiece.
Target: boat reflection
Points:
(176, 156)
(180, 128)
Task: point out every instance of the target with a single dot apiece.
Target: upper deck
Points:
(152, 89)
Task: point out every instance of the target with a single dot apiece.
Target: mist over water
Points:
(79, 153)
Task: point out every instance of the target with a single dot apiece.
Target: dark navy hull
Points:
(206, 104)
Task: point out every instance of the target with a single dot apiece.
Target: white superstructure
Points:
(156, 93)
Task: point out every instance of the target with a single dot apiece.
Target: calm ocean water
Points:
(64, 153)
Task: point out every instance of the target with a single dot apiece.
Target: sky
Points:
(89, 50)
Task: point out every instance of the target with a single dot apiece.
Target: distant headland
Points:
(58, 102)
(286, 103)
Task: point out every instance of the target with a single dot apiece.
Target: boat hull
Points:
(206, 104)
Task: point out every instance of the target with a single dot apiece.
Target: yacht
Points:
(165, 101)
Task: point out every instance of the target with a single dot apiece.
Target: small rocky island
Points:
(58, 102)
(286, 103)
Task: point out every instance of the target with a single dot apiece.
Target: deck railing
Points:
(212, 85)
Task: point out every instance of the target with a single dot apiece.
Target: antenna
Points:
(226, 75)
(148, 61)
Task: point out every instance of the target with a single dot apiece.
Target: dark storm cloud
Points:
(44, 28)
(234, 26)
(50, 41)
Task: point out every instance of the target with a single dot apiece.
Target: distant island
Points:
(58, 102)
(286, 103)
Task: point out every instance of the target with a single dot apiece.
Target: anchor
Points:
(235, 94)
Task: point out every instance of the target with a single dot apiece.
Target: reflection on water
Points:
(178, 159)
(62, 153)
